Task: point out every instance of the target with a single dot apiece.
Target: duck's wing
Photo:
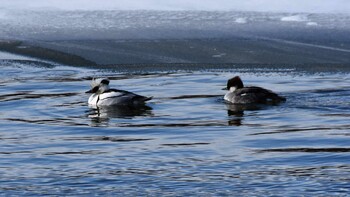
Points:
(113, 94)
(133, 95)
(252, 90)
(123, 97)
(258, 95)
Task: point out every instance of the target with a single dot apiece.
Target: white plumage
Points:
(104, 96)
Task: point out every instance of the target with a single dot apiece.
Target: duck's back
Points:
(255, 94)
(120, 97)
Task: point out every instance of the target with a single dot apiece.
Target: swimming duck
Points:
(238, 94)
(102, 95)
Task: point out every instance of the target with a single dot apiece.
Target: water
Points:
(186, 142)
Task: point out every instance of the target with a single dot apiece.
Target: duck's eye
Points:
(95, 89)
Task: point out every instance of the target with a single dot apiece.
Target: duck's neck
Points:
(103, 88)
(232, 89)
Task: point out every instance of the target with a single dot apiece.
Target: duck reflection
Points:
(102, 115)
(235, 112)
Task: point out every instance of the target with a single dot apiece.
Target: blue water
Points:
(187, 141)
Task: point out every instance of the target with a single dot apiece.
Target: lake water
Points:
(187, 141)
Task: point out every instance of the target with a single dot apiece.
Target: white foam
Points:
(312, 23)
(219, 55)
(241, 20)
(295, 18)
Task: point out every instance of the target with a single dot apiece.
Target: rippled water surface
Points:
(187, 141)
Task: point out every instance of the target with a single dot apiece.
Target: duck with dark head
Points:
(239, 94)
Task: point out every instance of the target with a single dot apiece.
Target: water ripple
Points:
(306, 150)
(28, 95)
(186, 142)
(106, 138)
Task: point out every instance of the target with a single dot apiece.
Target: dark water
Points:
(186, 142)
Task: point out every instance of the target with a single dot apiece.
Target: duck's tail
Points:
(140, 100)
(276, 98)
(147, 98)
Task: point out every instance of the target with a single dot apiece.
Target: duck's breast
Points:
(93, 99)
(229, 96)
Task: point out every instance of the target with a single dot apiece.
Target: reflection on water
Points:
(236, 112)
(186, 142)
(100, 116)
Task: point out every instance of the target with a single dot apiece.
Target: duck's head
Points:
(99, 86)
(234, 84)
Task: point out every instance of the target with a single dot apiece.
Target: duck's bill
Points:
(93, 90)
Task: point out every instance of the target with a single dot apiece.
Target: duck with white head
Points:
(103, 95)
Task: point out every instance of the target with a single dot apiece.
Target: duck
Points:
(239, 94)
(103, 95)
